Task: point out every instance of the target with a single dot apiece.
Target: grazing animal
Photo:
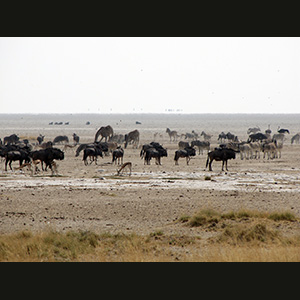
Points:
(278, 137)
(60, 138)
(231, 137)
(202, 145)
(76, 138)
(103, 146)
(207, 137)
(11, 139)
(257, 137)
(282, 130)
(47, 156)
(92, 153)
(40, 139)
(270, 148)
(295, 139)
(220, 154)
(253, 130)
(106, 132)
(127, 165)
(132, 136)
(156, 153)
(182, 144)
(187, 152)
(19, 155)
(148, 146)
(222, 137)
(172, 134)
(117, 155)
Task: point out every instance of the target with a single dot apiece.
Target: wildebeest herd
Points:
(12, 148)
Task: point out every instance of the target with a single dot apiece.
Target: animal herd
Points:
(12, 148)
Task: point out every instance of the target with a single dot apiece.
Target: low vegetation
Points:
(233, 236)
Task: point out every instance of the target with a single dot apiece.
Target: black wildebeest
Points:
(92, 153)
(117, 155)
(76, 138)
(60, 138)
(20, 155)
(47, 156)
(220, 154)
(156, 153)
(40, 139)
(187, 152)
(11, 139)
(257, 137)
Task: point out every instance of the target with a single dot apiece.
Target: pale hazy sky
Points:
(149, 74)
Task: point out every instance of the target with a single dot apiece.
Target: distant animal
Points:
(207, 137)
(257, 137)
(105, 132)
(102, 145)
(220, 154)
(76, 138)
(127, 165)
(11, 139)
(295, 139)
(92, 153)
(132, 137)
(187, 152)
(270, 148)
(222, 137)
(47, 156)
(148, 146)
(183, 144)
(231, 137)
(282, 130)
(156, 153)
(40, 139)
(253, 130)
(20, 155)
(172, 134)
(60, 138)
(117, 155)
(202, 145)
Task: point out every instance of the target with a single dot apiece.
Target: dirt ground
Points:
(94, 198)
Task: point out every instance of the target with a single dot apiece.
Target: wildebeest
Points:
(76, 138)
(148, 146)
(11, 139)
(157, 153)
(102, 145)
(132, 136)
(92, 153)
(220, 154)
(187, 152)
(257, 137)
(47, 156)
(60, 139)
(40, 138)
(117, 155)
(105, 132)
(20, 155)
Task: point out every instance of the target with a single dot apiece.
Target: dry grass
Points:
(242, 236)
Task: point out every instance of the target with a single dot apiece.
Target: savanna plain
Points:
(159, 213)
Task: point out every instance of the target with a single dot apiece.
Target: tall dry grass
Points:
(243, 236)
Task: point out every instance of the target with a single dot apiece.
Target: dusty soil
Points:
(94, 198)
